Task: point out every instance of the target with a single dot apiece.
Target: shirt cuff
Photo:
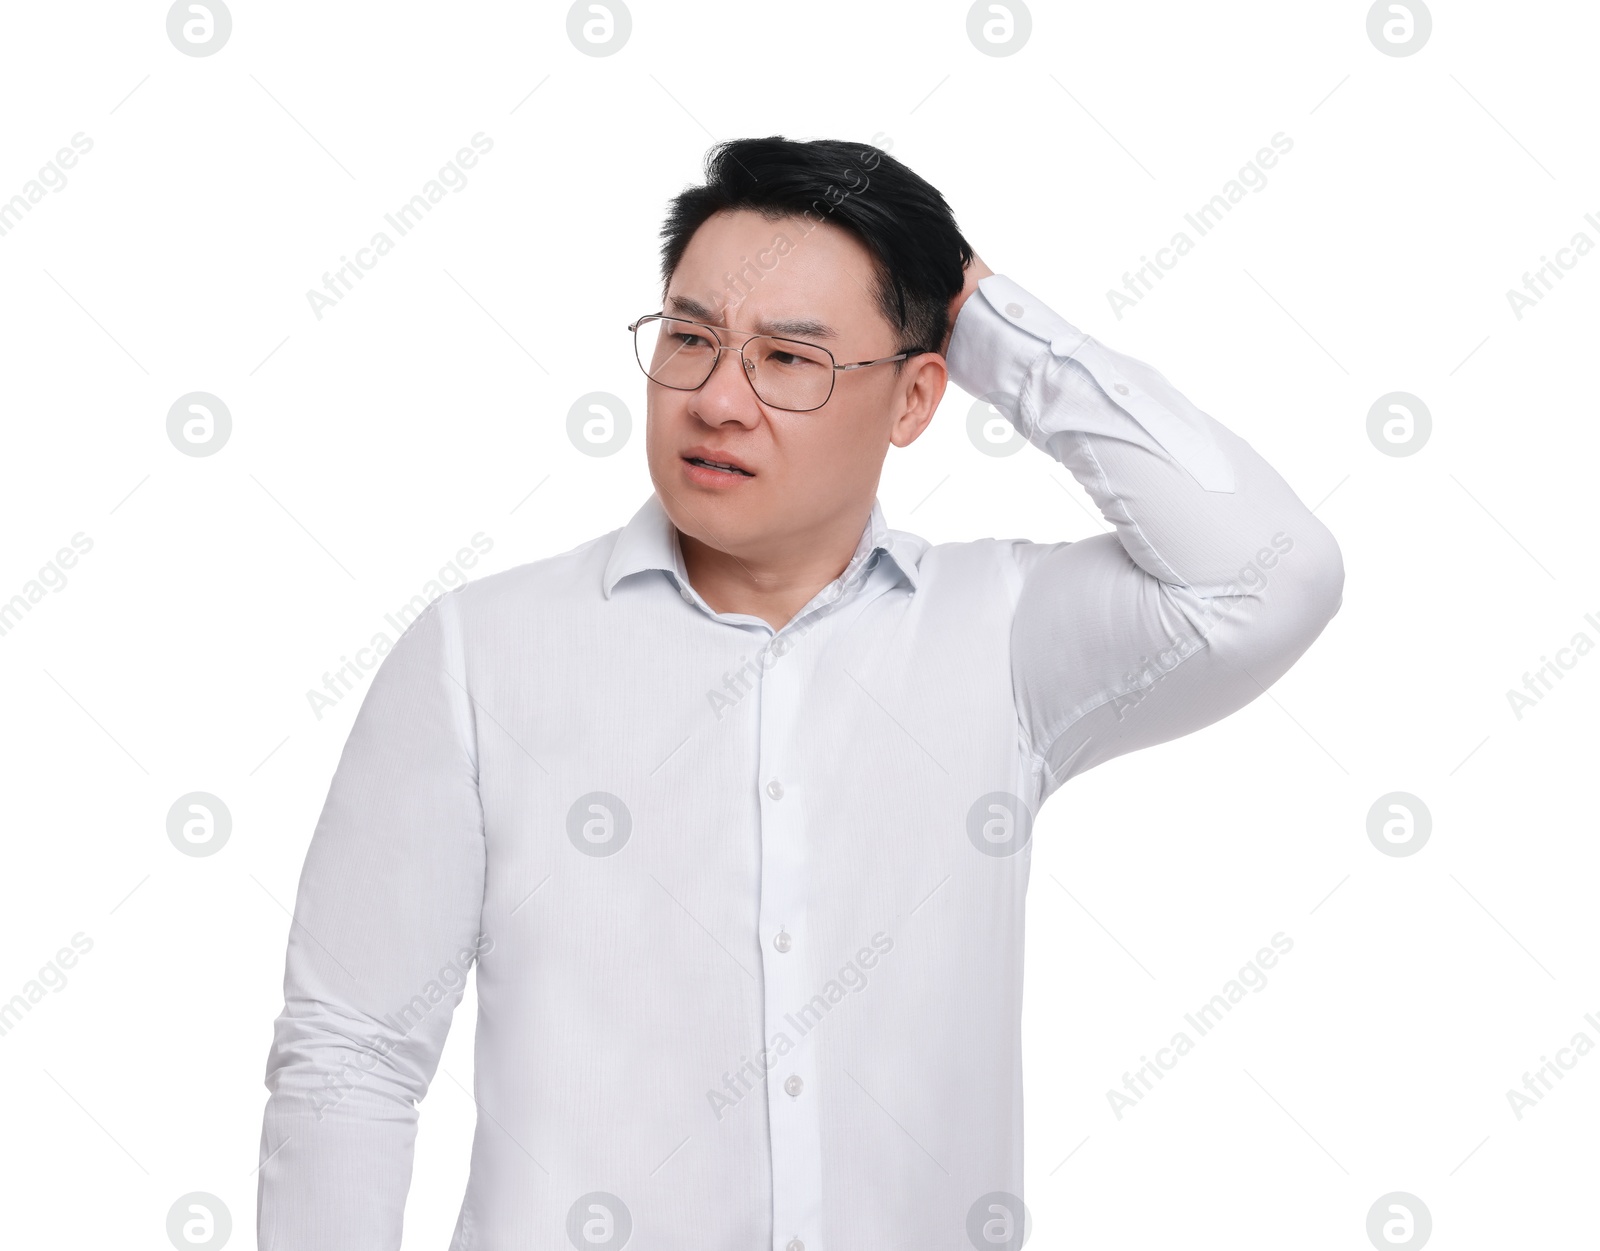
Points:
(1003, 333)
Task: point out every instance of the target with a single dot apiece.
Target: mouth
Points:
(722, 467)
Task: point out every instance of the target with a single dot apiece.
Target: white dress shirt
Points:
(746, 904)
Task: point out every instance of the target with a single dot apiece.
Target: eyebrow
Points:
(805, 327)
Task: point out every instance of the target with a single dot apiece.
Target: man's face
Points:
(807, 468)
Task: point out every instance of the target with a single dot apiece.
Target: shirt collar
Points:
(650, 541)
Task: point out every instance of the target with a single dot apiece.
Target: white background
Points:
(431, 403)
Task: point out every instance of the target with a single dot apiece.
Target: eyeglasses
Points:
(790, 374)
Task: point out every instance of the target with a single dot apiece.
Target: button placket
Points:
(792, 1108)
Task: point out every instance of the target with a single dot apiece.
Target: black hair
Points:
(899, 216)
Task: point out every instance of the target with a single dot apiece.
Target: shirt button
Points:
(1120, 388)
(775, 788)
(793, 1085)
(794, 1244)
(782, 941)
(1013, 310)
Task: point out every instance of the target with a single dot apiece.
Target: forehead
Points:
(798, 276)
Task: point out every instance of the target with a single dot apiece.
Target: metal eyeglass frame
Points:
(750, 365)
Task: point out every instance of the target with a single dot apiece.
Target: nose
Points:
(727, 394)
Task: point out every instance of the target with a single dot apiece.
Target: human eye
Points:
(797, 358)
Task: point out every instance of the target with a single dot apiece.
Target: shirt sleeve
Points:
(1214, 580)
(386, 927)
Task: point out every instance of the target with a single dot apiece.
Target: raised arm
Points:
(386, 927)
(1216, 577)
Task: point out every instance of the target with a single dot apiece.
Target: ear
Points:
(921, 387)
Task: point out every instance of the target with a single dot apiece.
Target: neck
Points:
(772, 585)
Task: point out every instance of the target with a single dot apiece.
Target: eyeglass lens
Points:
(786, 374)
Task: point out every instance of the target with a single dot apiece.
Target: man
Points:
(732, 806)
